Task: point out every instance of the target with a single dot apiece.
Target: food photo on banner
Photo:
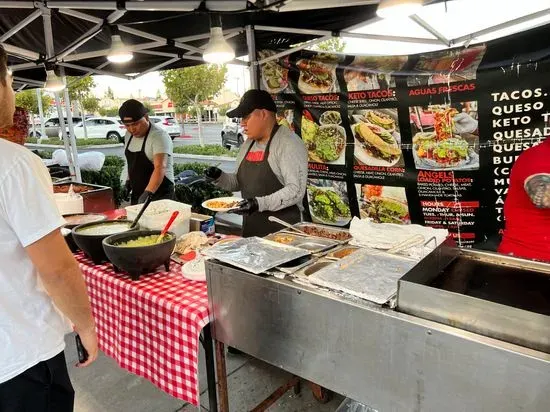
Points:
(445, 137)
(383, 204)
(427, 138)
(328, 202)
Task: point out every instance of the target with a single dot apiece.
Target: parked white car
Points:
(101, 128)
(168, 124)
(232, 132)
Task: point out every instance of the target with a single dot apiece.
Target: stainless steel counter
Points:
(388, 360)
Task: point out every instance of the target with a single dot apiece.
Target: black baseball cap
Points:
(253, 99)
(132, 109)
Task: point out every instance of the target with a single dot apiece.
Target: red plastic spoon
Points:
(168, 225)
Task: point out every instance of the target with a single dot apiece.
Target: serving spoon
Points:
(285, 224)
(145, 204)
(167, 226)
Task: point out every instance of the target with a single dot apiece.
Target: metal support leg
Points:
(222, 377)
(210, 368)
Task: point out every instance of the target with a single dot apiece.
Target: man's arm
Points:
(64, 283)
(537, 188)
(160, 162)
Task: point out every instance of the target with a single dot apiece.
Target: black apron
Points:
(256, 179)
(140, 170)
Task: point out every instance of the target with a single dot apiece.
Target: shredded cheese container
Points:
(157, 214)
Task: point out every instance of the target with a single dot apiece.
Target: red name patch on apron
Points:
(255, 156)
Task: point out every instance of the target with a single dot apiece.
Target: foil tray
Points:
(309, 243)
(367, 273)
(254, 254)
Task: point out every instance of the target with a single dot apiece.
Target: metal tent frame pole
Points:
(41, 114)
(72, 137)
(253, 68)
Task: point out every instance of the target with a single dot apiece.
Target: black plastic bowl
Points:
(91, 244)
(69, 237)
(140, 259)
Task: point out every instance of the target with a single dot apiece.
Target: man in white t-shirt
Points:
(40, 281)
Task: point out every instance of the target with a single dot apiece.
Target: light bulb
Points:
(53, 83)
(218, 51)
(119, 52)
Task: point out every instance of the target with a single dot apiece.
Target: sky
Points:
(149, 84)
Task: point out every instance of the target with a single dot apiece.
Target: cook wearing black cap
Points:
(148, 151)
(271, 167)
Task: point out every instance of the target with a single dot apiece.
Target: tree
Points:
(336, 45)
(80, 89)
(109, 93)
(90, 104)
(149, 108)
(192, 85)
(108, 111)
(28, 100)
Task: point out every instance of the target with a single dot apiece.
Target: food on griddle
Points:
(342, 253)
(377, 142)
(76, 188)
(326, 233)
(327, 205)
(284, 239)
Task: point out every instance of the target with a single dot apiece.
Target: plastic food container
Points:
(69, 204)
(157, 214)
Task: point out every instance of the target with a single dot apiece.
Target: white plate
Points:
(221, 199)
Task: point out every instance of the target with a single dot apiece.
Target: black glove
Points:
(126, 190)
(213, 173)
(144, 196)
(246, 207)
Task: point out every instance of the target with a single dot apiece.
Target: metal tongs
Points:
(285, 224)
(407, 244)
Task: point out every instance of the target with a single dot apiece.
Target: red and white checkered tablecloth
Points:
(151, 326)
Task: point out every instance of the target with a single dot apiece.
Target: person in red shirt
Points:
(527, 206)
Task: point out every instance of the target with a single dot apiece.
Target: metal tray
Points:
(329, 229)
(486, 293)
(333, 255)
(310, 243)
(254, 254)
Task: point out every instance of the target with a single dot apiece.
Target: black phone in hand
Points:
(81, 350)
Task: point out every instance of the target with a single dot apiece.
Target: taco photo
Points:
(328, 202)
(316, 77)
(376, 137)
(383, 204)
(274, 73)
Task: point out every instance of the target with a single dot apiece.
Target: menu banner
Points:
(427, 139)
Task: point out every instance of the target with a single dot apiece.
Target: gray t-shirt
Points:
(288, 160)
(158, 141)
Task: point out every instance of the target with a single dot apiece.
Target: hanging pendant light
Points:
(398, 8)
(119, 52)
(53, 82)
(217, 51)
